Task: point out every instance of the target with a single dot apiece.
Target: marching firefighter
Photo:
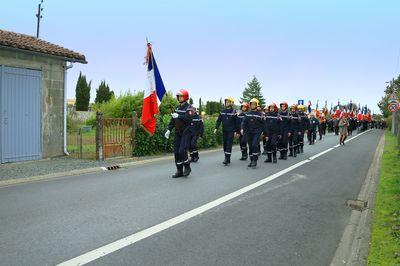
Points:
(196, 130)
(228, 119)
(313, 124)
(285, 133)
(264, 136)
(181, 120)
(294, 130)
(273, 130)
(244, 107)
(303, 123)
(253, 125)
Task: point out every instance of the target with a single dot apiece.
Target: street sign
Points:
(393, 107)
(300, 102)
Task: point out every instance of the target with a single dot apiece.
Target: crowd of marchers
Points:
(276, 128)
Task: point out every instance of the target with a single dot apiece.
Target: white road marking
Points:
(131, 239)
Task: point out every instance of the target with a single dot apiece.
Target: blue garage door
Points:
(20, 137)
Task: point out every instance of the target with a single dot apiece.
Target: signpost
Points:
(300, 102)
(393, 107)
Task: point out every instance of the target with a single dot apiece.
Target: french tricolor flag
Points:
(154, 90)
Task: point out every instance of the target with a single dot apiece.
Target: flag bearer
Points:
(253, 125)
(228, 119)
(273, 130)
(181, 120)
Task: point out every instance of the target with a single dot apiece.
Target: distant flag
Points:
(309, 107)
(154, 90)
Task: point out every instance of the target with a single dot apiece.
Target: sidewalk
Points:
(30, 171)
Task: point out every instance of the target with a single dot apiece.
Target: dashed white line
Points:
(131, 239)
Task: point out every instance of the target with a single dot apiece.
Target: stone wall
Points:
(52, 95)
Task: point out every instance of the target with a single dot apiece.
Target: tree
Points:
(103, 93)
(190, 101)
(200, 106)
(168, 103)
(82, 93)
(383, 103)
(253, 90)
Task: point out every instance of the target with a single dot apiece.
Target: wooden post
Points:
(133, 131)
(99, 136)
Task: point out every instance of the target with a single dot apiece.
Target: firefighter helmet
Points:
(184, 93)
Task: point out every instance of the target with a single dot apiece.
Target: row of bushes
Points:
(150, 145)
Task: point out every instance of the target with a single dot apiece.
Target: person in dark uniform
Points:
(273, 130)
(228, 119)
(196, 129)
(294, 130)
(181, 120)
(313, 125)
(244, 107)
(253, 125)
(303, 123)
(263, 136)
(285, 126)
(322, 126)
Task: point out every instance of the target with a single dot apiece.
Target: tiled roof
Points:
(30, 43)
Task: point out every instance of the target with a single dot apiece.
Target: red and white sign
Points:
(393, 107)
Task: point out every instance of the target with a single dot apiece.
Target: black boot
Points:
(281, 155)
(295, 152)
(254, 165)
(269, 159)
(187, 170)
(244, 155)
(195, 158)
(227, 160)
(301, 149)
(274, 157)
(285, 155)
(291, 152)
(179, 171)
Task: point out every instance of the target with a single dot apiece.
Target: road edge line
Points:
(354, 244)
(126, 241)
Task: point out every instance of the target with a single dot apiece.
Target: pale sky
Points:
(297, 49)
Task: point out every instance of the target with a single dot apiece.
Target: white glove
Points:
(174, 115)
(167, 133)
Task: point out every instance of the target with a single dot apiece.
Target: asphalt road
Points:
(295, 218)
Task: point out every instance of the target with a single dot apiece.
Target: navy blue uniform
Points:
(303, 126)
(242, 137)
(196, 129)
(253, 125)
(313, 124)
(228, 119)
(285, 128)
(294, 133)
(273, 130)
(182, 135)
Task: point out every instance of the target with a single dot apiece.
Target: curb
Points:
(47, 177)
(354, 244)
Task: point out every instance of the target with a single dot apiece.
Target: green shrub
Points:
(91, 121)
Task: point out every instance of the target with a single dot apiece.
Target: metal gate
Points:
(20, 113)
(117, 137)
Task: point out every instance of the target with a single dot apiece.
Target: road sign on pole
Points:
(300, 102)
(393, 107)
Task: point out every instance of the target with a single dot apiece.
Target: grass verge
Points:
(385, 238)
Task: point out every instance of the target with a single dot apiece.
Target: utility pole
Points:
(39, 16)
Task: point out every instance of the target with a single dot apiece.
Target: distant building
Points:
(32, 97)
